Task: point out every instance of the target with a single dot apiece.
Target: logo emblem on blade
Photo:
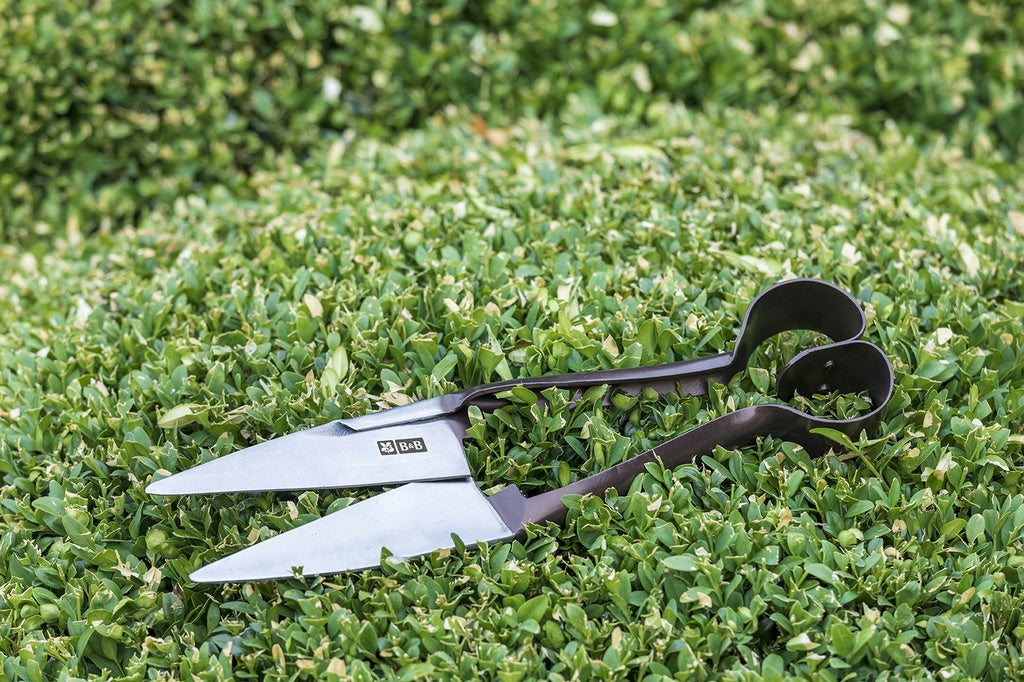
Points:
(402, 446)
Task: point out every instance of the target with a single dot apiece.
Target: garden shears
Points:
(419, 447)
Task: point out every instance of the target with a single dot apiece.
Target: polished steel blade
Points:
(330, 456)
(412, 520)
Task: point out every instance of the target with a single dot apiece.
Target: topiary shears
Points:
(419, 447)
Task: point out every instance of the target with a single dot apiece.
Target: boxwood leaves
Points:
(216, 322)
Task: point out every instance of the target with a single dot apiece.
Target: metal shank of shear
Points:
(421, 445)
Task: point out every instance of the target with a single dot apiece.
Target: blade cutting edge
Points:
(329, 456)
(411, 520)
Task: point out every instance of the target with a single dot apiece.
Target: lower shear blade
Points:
(409, 521)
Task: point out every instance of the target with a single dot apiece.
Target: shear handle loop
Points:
(794, 304)
(851, 367)
(791, 305)
(808, 304)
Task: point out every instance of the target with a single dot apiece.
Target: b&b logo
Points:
(402, 446)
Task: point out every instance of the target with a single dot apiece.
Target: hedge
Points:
(114, 107)
(457, 254)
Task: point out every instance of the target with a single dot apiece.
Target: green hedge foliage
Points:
(112, 106)
(436, 260)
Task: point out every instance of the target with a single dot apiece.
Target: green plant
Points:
(379, 272)
(116, 108)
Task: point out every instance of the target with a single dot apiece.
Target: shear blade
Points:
(329, 456)
(410, 521)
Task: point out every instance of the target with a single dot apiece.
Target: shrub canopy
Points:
(112, 107)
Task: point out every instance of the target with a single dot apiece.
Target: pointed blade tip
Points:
(162, 486)
(216, 572)
(201, 575)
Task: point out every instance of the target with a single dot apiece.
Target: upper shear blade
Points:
(412, 520)
(330, 456)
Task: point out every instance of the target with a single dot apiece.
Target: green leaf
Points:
(749, 263)
(77, 531)
(802, 642)
(680, 562)
(491, 360)
(975, 527)
(178, 416)
(841, 639)
(937, 369)
(637, 152)
(339, 362)
(821, 572)
(534, 609)
(835, 436)
(952, 528)
(367, 638)
(977, 659)
(520, 395)
(761, 378)
(969, 258)
(859, 507)
(623, 401)
(564, 474)
(445, 367)
(336, 369)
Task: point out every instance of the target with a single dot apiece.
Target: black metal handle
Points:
(845, 367)
(798, 304)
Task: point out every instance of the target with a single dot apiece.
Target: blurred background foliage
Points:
(114, 107)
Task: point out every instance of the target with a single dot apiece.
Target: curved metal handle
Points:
(798, 304)
(845, 367)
